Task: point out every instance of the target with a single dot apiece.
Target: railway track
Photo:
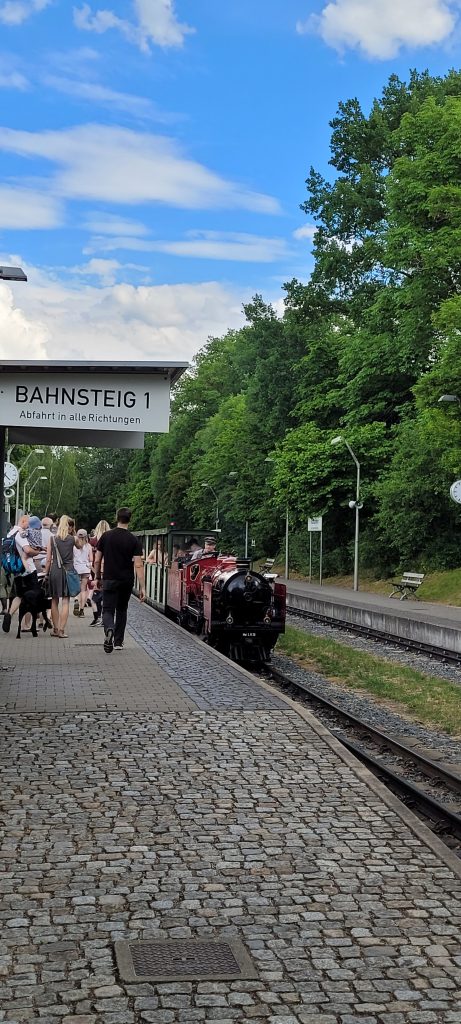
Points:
(428, 788)
(406, 643)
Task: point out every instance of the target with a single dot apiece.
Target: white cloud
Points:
(380, 28)
(307, 231)
(93, 92)
(207, 245)
(15, 12)
(13, 80)
(106, 271)
(23, 209)
(110, 224)
(118, 165)
(155, 23)
(12, 73)
(53, 319)
(20, 336)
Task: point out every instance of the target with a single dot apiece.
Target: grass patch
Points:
(427, 699)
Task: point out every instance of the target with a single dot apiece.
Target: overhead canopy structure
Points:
(86, 403)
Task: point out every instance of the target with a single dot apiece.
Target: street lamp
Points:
(354, 504)
(37, 469)
(12, 274)
(35, 451)
(450, 399)
(287, 535)
(6, 274)
(37, 481)
(210, 488)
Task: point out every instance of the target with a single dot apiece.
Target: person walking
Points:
(122, 554)
(83, 560)
(96, 595)
(59, 561)
(26, 578)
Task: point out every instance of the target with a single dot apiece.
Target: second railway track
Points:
(432, 790)
(405, 643)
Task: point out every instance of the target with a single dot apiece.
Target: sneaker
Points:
(6, 622)
(95, 620)
(118, 647)
(109, 641)
(81, 613)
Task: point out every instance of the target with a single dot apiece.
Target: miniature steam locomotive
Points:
(221, 598)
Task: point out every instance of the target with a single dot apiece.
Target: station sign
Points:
(88, 402)
(315, 524)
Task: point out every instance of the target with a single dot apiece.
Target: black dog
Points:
(34, 601)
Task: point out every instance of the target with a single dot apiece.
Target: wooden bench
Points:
(409, 584)
(265, 569)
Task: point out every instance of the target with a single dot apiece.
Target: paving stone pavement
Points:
(179, 822)
(210, 682)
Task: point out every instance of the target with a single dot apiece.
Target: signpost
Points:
(315, 525)
(100, 402)
(102, 405)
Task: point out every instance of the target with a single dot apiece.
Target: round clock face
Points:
(10, 475)
(455, 491)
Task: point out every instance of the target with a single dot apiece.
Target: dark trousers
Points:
(115, 598)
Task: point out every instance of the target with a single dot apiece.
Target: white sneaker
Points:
(118, 647)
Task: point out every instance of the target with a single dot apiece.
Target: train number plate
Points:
(248, 634)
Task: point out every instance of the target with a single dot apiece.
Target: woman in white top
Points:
(83, 560)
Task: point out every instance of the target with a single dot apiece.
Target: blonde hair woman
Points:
(102, 527)
(59, 560)
(96, 595)
(83, 561)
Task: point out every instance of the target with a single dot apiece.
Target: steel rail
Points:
(430, 768)
(408, 643)
(431, 807)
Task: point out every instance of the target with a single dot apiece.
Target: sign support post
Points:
(315, 525)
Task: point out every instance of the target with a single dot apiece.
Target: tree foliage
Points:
(365, 350)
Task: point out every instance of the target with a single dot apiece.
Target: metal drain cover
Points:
(183, 960)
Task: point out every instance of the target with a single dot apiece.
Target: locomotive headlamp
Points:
(229, 620)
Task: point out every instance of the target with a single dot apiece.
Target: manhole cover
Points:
(183, 960)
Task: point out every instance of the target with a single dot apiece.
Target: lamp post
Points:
(37, 481)
(38, 469)
(210, 488)
(287, 535)
(35, 451)
(6, 274)
(354, 504)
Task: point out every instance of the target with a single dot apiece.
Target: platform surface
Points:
(424, 611)
(161, 793)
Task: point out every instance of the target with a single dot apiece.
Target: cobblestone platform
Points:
(204, 819)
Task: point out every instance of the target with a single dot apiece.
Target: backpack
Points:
(11, 560)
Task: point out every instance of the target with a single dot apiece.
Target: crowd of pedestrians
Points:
(50, 557)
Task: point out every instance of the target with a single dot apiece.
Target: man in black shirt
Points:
(120, 551)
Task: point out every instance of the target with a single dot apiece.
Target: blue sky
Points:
(153, 155)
